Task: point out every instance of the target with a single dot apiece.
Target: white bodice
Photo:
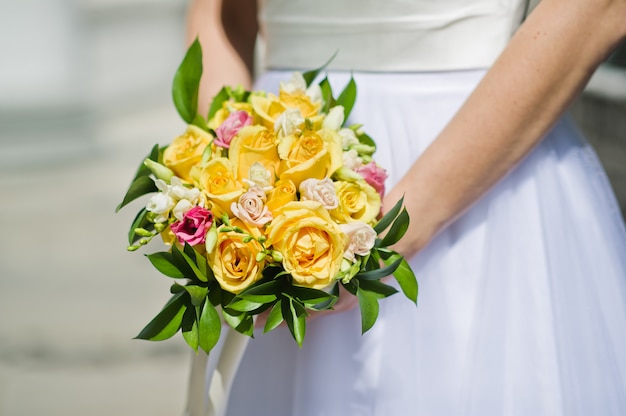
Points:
(387, 35)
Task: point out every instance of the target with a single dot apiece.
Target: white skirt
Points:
(522, 303)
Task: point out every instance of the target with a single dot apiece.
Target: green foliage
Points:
(164, 262)
(187, 82)
(217, 102)
(309, 76)
(167, 322)
(368, 303)
(347, 98)
(197, 297)
(139, 187)
(388, 218)
(295, 316)
(209, 326)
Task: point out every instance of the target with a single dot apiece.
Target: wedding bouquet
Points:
(269, 204)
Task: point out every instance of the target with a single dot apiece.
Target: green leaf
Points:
(398, 229)
(368, 303)
(310, 297)
(187, 82)
(405, 277)
(167, 322)
(274, 318)
(246, 327)
(210, 327)
(295, 316)
(327, 95)
(189, 328)
(347, 98)
(192, 264)
(266, 288)
(142, 169)
(140, 186)
(164, 263)
(310, 76)
(233, 318)
(198, 294)
(334, 291)
(199, 260)
(377, 287)
(140, 221)
(379, 273)
(244, 305)
(366, 140)
(217, 102)
(260, 299)
(176, 288)
(200, 122)
(388, 218)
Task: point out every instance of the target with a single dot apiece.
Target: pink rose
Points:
(192, 229)
(375, 176)
(230, 127)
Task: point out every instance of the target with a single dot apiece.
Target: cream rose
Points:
(322, 191)
(251, 208)
(361, 239)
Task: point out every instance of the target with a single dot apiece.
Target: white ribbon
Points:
(211, 376)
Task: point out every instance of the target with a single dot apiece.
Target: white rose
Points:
(351, 160)
(251, 208)
(322, 191)
(289, 122)
(259, 176)
(362, 238)
(334, 119)
(348, 138)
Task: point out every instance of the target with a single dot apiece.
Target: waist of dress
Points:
(468, 42)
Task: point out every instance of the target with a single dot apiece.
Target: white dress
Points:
(522, 304)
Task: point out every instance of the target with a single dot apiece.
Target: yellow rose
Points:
(298, 99)
(267, 109)
(253, 144)
(233, 261)
(219, 117)
(223, 113)
(186, 151)
(311, 243)
(216, 180)
(357, 201)
(310, 155)
(284, 191)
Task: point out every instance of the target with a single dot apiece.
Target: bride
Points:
(515, 236)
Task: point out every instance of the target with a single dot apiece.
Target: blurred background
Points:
(84, 94)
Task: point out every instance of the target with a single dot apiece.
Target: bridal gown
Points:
(522, 303)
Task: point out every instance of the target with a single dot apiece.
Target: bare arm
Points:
(546, 64)
(227, 31)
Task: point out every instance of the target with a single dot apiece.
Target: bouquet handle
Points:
(211, 376)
